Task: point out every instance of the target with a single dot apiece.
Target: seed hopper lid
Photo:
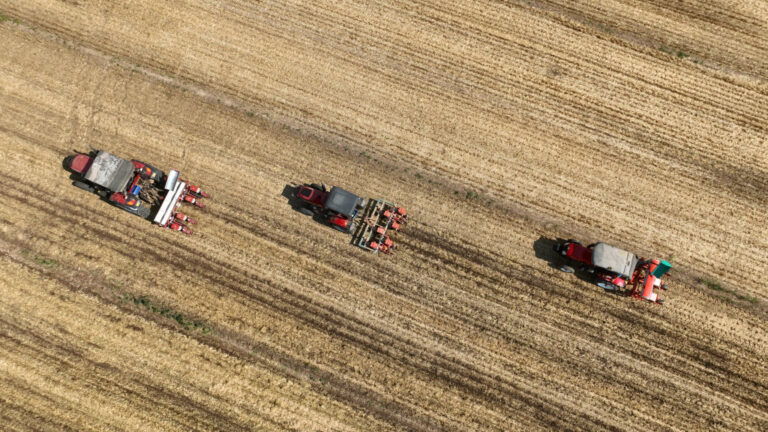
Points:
(614, 259)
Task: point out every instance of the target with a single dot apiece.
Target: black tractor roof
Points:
(341, 201)
(110, 172)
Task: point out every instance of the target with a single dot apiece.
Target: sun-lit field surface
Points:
(500, 126)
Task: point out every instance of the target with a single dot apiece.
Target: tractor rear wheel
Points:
(607, 285)
(306, 211)
(83, 186)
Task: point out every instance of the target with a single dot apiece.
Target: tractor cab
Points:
(313, 196)
(80, 163)
(577, 252)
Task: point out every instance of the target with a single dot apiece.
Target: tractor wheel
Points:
(306, 211)
(83, 186)
(607, 286)
(566, 269)
(316, 186)
(338, 228)
(362, 203)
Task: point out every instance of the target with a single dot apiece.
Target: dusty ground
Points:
(500, 126)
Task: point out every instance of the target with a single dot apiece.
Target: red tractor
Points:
(369, 221)
(616, 269)
(136, 187)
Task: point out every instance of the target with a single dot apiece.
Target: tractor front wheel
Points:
(83, 186)
(566, 269)
(607, 285)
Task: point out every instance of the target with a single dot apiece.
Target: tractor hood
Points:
(110, 172)
(342, 202)
(614, 259)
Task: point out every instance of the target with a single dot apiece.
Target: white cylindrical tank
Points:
(171, 178)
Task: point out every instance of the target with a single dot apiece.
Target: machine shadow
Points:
(289, 193)
(544, 248)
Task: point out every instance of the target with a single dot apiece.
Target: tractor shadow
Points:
(544, 248)
(289, 193)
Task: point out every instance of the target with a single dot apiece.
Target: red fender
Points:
(339, 221)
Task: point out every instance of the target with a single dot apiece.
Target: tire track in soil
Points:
(251, 228)
(298, 368)
(477, 383)
(624, 316)
(499, 191)
(150, 394)
(568, 329)
(193, 263)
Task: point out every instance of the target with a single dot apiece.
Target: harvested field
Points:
(499, 125)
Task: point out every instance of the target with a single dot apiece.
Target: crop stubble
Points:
(466, 328)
